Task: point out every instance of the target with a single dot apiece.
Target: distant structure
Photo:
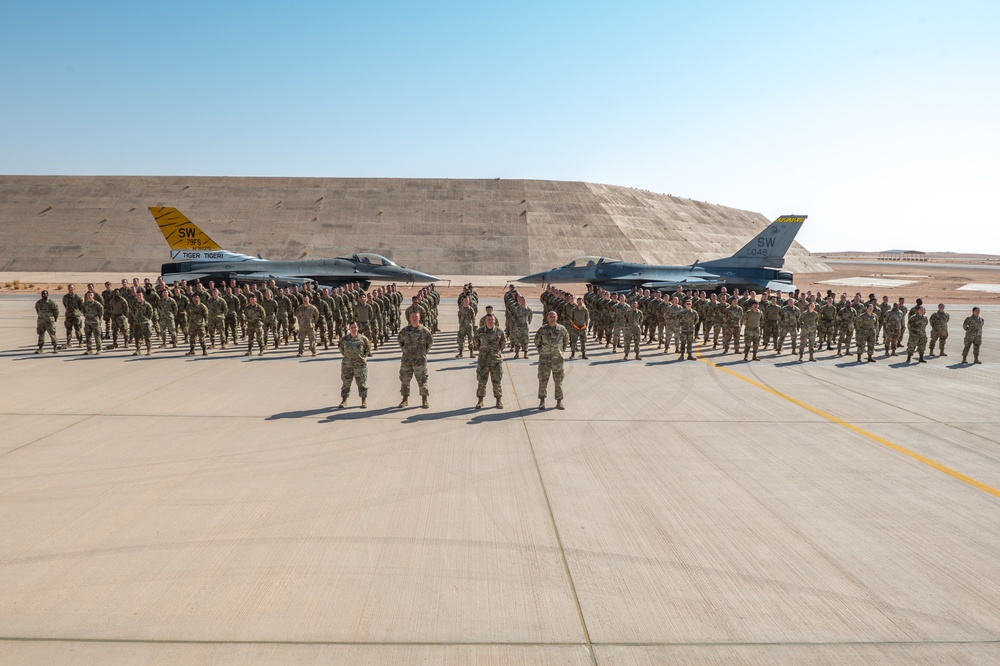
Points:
(441, 226)
(902, 255)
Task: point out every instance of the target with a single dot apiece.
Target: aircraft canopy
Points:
(585, 262)
(369, 258)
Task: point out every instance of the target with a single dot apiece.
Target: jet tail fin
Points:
(767, 249)
(180, 232)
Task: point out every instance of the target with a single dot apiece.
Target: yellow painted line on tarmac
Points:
(860, 431)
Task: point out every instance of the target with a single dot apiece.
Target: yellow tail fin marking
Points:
(180, 232)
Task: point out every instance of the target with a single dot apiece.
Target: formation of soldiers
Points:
(264, 314)
(803, 321)
(261, 315)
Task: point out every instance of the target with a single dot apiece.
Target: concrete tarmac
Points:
(221, 509)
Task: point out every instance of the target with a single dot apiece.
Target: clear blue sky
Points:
(880, 119)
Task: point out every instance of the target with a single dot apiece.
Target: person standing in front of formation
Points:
(355, 348)
(973, 336)
(490, 342)
(415, 342)
(551, 341)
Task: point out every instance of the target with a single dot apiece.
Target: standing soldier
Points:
(633, 328)
(254, 315)
(521, 319)
(93, 313)
(466, 315)
(551, 341)
(808, 323)
(973, 336)
(356, 349)
(579, 321)
(917, 340)
(687, 323)
(73, 305)
(827, 323)
(751, 333)
(284, 314)
(731, 325)
(306, 316)
(270, 317)
(197, 318)
(168, 319)
(47, 313)
(866, 325)
(893, 329)
(788, 322)
(415, 341)
(119, 318)
(490, 342)
(232, 319)
(216, 318)
(845, 322)
(142, 319)
(669, 314)
(772, 319)
(939, 328)
(106, 296)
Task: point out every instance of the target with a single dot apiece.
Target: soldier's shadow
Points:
(736, 362)
(496, 416)
(355, 413)
(466, 367)
(301, 414)
(852, 364)
(423, 415)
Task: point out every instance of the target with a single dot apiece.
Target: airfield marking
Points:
(860, 431)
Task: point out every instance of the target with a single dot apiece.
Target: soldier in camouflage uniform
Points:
(579, 321)
(216, 318)
(306, 316)
(893, 329)
(939, 328)
(845, 322)
(73, 304)
(234, 309)
(168, 319)
(632, 327)
(254, 315)
(787, 325)
(356, 349)
(973, 327)
(142, 320)
(866, 325)
(551, 341)
(917, 340)
(731, 325)
(827, 324)
(490, 341)
(751, 332)
(772, 322)
(687, 323)
(466, 319)
(415, 341)
(285, 313)
(93, 313)
(522, 316)
(197, 318)
(119, 318)
(669, 315)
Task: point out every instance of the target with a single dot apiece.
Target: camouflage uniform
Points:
(216, 319)
(354, 365)
(47, 313)
(973, 337)
(142, 319)
(731, 325)
(893, 331)
(254, 316)
(939, 330)
(521, 320)
(119, 319)
(633, 330)
(73, 305)
(415, 343)
(197, 318)
(787, 324)
(306, 315)
(917, 340)
(751, 333)
(168, 320)
(491, 342)
(845, 322)
(551, 342)
(93, 313)
(270, 319)
(867, 332)
(466, 315)
(687, 323)
(827, 325)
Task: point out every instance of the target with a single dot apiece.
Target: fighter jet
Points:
(196, 256)
(756, 266)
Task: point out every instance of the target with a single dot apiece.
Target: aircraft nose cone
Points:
(534, 278)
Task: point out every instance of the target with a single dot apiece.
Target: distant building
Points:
(902, 255)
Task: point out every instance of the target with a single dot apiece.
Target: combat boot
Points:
(909, 356)
(190, 353)
(248, 353)
(800, 356)
(425, 404)
(261, 352)
(572, 356)
(584, 357)
(811, 357)
(460, 354)
(965, 358)
(479, 405)
(977, 361)
(343, 403)
(559, 404)
(941, 352)
(625, 358)
(299, 354)
(746, 356)
(404, 402)
(637, 357)
(755, 357)
(859, 357)
(364, 403)
(691, 358)
(871, 359)
(921, 359)
(499, 403)
(541, 403)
